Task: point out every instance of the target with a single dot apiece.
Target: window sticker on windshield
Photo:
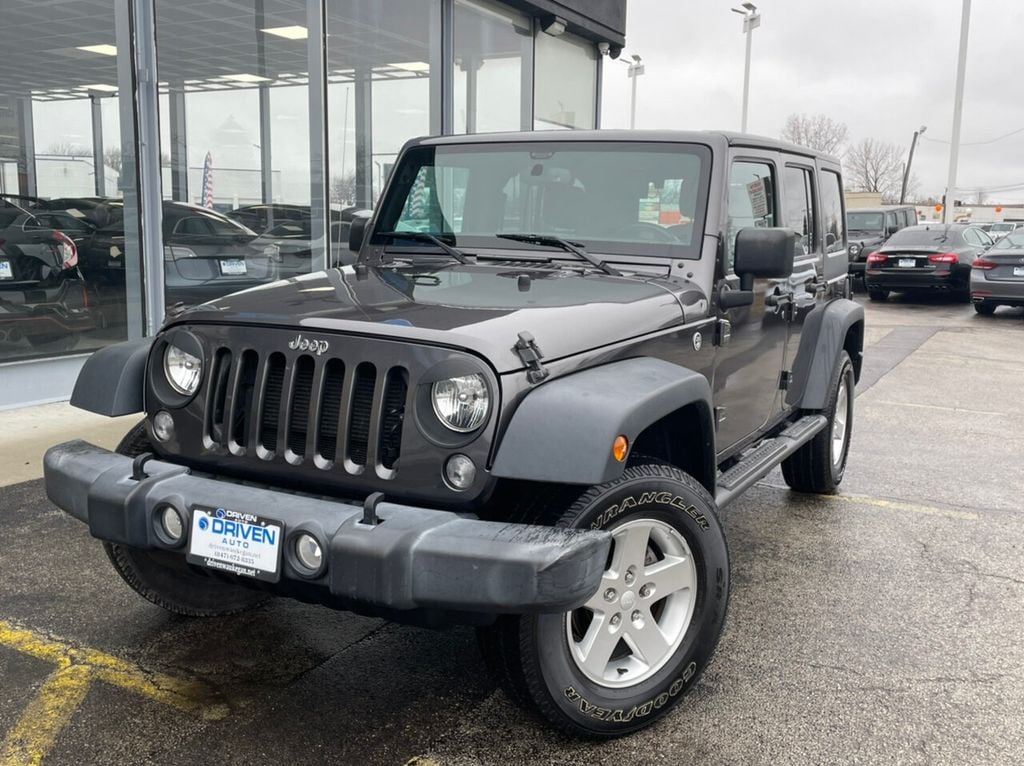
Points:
(74, 211)
(758, 198)
(649, 210)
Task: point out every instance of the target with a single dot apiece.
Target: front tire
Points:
(986, 308)
(877, 294)
(175, 589)
(818, 467)
(626, 657)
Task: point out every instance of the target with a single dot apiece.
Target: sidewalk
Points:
(26, 433)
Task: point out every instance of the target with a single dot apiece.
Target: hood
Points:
(865, 239)
(478, 307)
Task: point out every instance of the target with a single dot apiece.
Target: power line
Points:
(975, 143)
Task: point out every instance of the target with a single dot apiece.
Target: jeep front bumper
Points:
(414, 558)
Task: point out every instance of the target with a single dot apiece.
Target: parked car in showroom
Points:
(929, 257)
(997, 277)
(206, 255)
(292, 245)
(868, 228)
(43, 297)
(520, 410)
(259, 218)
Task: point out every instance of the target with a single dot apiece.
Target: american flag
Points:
(208, 181)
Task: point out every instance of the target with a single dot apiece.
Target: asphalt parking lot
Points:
(881, 625)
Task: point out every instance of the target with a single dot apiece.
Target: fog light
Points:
(171, 523)
(163, 426)
(308, 552)
(460, 472)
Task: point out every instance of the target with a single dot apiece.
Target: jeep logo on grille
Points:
(318, 347)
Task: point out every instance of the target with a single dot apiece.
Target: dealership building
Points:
(159, 151)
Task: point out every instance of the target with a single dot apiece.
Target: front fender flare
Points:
(112, 380)
(822, 339)
(563, 430)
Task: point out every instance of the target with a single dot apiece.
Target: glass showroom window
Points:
(234, 113)
(62, 286)
(565, 95)
(382, 67)
(493, 55)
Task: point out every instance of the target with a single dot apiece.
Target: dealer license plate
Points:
(232, 267)
(236, 542)
(6, 272)
(1018, 271)
(908, 263)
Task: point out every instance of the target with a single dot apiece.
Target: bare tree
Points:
(875, 166)
(816, 131)
(66, 149)
(112, 157)
(343, 189)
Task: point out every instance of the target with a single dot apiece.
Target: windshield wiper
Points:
(566, 245)
(423, 236)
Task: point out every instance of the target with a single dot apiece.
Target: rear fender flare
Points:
(563, 430)
(823, 337)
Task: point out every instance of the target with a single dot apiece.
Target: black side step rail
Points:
(759, 461)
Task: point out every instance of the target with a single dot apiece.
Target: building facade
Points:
(155, 152)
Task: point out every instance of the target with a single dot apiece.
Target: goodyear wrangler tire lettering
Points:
(537, 656)
(651, 498)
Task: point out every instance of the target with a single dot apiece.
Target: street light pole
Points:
(958, 108)
(751, 21)
(635, 70)
(910, 161)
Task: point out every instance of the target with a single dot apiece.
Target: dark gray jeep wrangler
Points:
(557, 357)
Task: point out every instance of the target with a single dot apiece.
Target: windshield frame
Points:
(414, 157)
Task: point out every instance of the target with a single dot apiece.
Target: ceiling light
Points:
(244, 77)
(288, 33)
(103, 49)
(102, 87)
(411, 66)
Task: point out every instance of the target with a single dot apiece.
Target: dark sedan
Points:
(929, 257)
(206, 256)
(43, 297)
(997, 278)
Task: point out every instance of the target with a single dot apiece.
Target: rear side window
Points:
(832, 212)
(751, 202)
(800, 208)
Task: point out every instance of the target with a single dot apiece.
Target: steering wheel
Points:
(646, 232)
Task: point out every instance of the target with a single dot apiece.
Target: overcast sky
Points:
(884, 67)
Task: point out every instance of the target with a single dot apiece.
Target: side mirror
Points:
(357, 233)
(766, 253)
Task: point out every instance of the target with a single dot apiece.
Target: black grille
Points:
(313, 406)
(270, 417)
(330, 409)
(362, 404)
(302, 391)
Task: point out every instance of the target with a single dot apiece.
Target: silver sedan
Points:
(997, 276)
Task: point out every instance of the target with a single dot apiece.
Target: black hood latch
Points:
(531, 355)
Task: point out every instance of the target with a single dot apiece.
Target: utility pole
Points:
(958, 108)
(635, 70)
(910, 161)
(751, 21)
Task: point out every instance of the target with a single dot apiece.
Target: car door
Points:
(796, 297)
(747, 366)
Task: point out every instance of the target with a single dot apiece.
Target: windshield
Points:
(925, 236)
(634, 198)
(864, 221)
(1002, 227)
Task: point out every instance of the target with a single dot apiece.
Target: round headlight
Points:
(183, 370)
(461, 403)
(854, 250)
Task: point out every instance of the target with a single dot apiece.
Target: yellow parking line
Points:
(37, 729)
(892, 505)
(56, 701)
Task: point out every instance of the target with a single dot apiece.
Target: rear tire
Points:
(876, 294)
(985, 308)
(176, 589)
(622, 661)
(818, 467)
